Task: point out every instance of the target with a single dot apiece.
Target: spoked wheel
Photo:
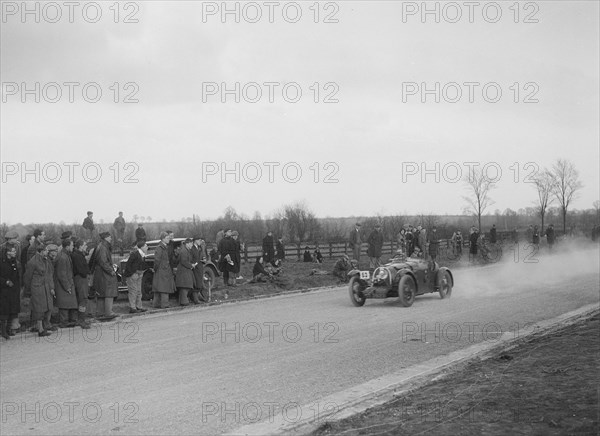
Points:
(406, 291)
(445, 284)
(355, 289)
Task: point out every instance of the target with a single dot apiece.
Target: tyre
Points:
(406, 291)
(355, 289)
(147, 293)
(445, 284)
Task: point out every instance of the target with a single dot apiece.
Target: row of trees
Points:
(560, 183)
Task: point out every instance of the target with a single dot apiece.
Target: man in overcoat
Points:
(355, 242)
(10, 289)
(81, 271)
(199, 255)
(268, 247)
(105, 277)
(163, 283)
(64, 286)
(184, 279)
(39, 283)
(375, 241)
(550, 236)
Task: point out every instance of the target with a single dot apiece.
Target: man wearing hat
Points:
(10, 290)
(12, 238)
(355, 242)
(105, 277)
(162, 283)
(268, 247)
(550, 236)
(134, 272)
(39, 283)
(88, 224)
(199, 255)
(64, 286)
(184, 279)
(81, 271)
(39, 236)
(119, 229)
(375, 241)
(140, 233)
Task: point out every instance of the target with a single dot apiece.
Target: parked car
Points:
(403, 278)
(211, 272)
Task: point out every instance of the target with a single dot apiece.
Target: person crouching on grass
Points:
(184, 279)
(259, 274)
(134, 272)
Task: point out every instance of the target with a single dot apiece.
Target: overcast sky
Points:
(172, 141)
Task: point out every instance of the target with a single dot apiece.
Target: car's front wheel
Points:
(445, 284)
(355, 289)
(406, 291)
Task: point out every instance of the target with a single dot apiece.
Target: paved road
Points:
(213, 370)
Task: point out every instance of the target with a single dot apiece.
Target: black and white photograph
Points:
(311, 217)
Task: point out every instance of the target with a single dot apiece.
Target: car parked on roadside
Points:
(211, 272)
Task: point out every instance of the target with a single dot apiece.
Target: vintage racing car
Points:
(210, 272)
(401, 277)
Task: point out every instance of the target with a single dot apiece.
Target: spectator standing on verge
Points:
(119, 227)
(134, 273)
(199, 255)
(375, 241)
(10, 290)
(550, 237)
(39, 236)
(140, 233)
(280, 249)
(355, 242)
(64, 286)
(184, 279)
(268, 247)
(39, 283)
(88, 224)
(162, 283)
(493, 234)
(473, 237)
(105, 277)
(81, 271)
(434, 245)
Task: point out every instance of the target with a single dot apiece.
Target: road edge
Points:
(386, 388)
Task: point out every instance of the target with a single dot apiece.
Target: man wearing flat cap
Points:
(39, 283)
(88, 224)
(199, 255)
(163, 283)
(375, 245)
(40, 237)
(105, 277)
(355, 242)
(64, 286)
(184, 279)
(134, 273)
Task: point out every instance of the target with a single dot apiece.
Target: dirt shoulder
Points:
(545, 386)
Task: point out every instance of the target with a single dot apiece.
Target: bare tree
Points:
(302, 223)
(479, 185)
(544, 184)
(597, 208)
(566, 186)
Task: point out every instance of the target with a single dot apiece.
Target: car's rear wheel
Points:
(147, 293)
(355, 289)
(445, 284)
(406, 291)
